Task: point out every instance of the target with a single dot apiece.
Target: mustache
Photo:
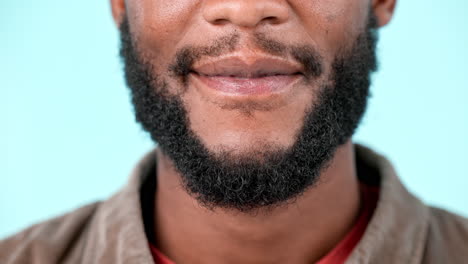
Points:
(306, 55)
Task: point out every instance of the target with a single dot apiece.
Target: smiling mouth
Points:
(256, 85)
(248, 75)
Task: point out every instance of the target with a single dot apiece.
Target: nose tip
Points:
(245, 13)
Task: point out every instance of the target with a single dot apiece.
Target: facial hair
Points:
(223, 180)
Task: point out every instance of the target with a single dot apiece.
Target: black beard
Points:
(222, 180)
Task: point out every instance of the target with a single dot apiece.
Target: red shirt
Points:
(343, 249)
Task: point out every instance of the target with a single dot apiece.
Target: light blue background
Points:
(68, 135)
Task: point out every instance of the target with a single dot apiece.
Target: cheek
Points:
(159, 25)
(332, 24)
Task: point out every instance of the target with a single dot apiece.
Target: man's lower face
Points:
(242, 138)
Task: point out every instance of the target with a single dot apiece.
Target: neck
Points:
(300, 232)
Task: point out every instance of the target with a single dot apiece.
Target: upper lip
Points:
(247, 67)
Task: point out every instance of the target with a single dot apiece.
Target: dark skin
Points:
(190, 233)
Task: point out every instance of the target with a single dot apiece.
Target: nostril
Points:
(245, 13)
(272, 20)
(220, 21)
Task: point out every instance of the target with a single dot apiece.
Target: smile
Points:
(252, 76)
(248, 86)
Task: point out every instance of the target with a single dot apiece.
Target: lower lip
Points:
(249, 86)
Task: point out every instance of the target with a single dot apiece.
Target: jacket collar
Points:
(117, 233)
(395, 234)
(398, 229)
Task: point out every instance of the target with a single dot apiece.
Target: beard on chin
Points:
(224, 180)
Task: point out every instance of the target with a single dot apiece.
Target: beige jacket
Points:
(402, 229)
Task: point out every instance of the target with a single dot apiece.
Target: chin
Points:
(249, 151)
